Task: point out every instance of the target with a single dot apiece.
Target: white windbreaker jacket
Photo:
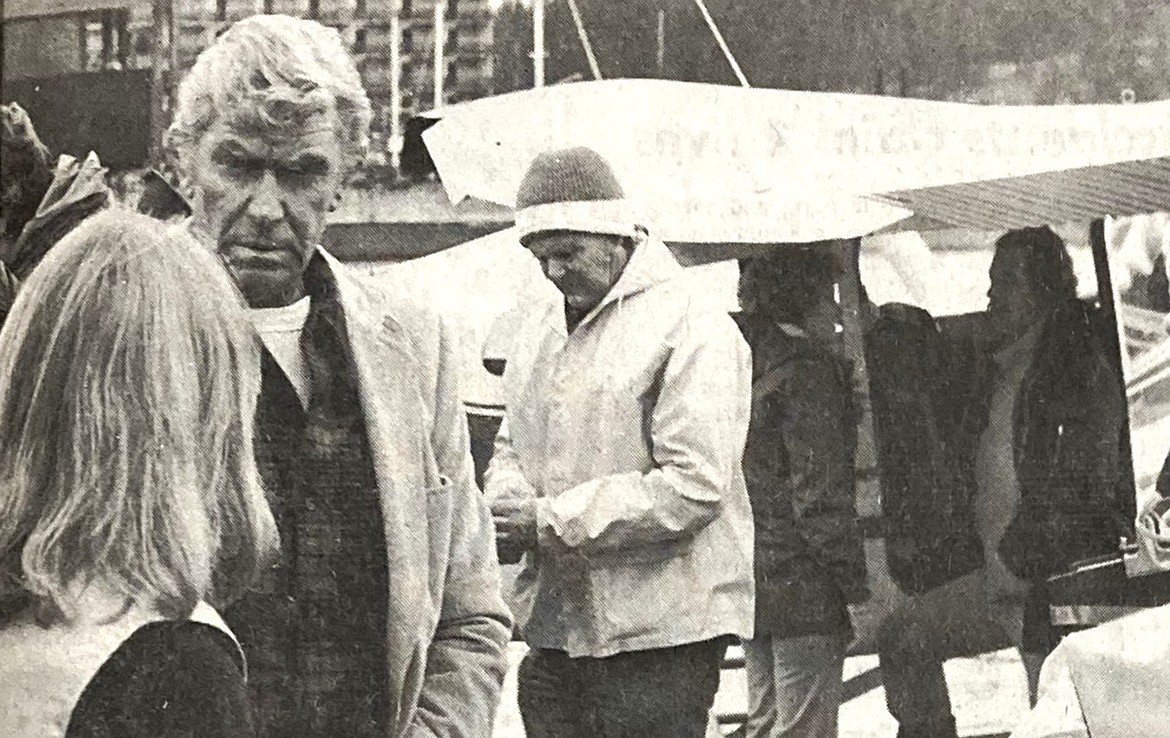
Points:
(630, 432)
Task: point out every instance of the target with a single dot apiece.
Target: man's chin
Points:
(265, 288)
(580, 303)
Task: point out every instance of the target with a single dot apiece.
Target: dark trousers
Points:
(665, 692)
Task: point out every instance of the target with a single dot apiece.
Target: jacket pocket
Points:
(649, 592)
(440, 510)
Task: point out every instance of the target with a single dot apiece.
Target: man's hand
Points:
(515, 521)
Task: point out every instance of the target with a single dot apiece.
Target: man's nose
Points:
(266, 204)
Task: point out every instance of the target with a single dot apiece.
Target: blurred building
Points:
(366, 27)
(76, 56)
(82, 70)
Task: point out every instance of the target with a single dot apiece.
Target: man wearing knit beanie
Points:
(617, 471)
(570, 198)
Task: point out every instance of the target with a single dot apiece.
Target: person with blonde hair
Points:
(384, 616)
(132, 502)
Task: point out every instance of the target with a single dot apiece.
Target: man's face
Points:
(263, 193)
(1014, 306)
(583, 266)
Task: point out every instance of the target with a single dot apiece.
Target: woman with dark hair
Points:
(798, 463)
(131, 498)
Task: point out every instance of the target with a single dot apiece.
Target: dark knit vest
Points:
(314, 632)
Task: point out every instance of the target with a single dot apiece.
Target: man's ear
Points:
(181, 179)
(187, 188)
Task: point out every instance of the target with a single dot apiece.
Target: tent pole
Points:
(584, 37)
(537, 44)
(396, 85)
(661, 57)
(722, 44)
(440, 38)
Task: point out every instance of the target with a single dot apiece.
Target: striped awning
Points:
(1065, 196)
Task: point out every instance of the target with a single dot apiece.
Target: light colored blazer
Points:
(447, 626)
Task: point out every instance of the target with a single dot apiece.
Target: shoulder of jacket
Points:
(393, 310)
(1142, 635)
(686, 311)
(804, 374)
(799, 356)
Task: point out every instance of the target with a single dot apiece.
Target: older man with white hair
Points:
(383, 617)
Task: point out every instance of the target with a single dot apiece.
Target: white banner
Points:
(711, 163)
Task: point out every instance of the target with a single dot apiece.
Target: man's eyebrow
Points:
(554, 251)
(309, 163)
(233, 149)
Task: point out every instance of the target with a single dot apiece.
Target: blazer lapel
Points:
(389, 387)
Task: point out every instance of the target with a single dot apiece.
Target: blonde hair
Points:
(130, 382)
(279, 69)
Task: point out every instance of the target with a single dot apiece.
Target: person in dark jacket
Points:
(25, 174)
(26, 170)
(798, 463)
(38, 204)
(928, 536)
(1039, 451)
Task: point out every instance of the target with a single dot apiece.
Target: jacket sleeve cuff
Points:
(546, 536)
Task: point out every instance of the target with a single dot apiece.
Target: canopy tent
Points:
(1077, 194)
(715, 164)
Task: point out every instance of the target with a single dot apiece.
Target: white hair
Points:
(280, 69)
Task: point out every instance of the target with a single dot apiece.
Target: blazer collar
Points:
(389, 384)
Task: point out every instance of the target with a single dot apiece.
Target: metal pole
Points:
(722, 44)
(584, 38)
(1109, 296)
(661, 59)
(395, 85)
(172, 47)
(537, 44)
(440, 37)
(847, 254)
(160, 16)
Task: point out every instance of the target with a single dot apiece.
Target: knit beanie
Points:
(573, 190)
